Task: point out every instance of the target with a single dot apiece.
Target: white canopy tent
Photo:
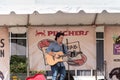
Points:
(24, 13)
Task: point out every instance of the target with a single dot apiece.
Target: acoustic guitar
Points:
(52, 60)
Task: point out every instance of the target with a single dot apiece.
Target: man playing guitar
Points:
(57, 46)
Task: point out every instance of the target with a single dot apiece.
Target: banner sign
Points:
(112, 52)
(4, 54)
(79, 39)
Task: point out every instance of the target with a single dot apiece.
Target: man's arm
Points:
(49, 50)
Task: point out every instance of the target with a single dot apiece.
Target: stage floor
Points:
(83, 78)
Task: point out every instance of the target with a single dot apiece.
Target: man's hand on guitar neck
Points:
(80, 52)
(75, 53)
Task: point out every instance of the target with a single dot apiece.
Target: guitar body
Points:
(51, 60)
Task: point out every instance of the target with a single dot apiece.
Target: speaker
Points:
(70, 75)
(66, 77)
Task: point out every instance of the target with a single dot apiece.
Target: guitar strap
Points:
(63, 48)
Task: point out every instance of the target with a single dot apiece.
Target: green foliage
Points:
(18, 64)
(36, 72)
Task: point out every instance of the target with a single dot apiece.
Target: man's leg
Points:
(54, 72)
(62, 73)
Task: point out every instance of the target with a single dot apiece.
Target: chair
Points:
(36, 77)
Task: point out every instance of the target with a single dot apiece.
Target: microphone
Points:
(67, 43)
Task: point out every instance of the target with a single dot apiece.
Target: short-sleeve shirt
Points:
(55, 47)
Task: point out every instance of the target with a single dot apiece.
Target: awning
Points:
(60, 18)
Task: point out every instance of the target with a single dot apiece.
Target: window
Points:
(18, 64)
(18, 44)
(100, 51)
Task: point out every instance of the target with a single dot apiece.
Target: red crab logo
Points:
(44, 43)
(74, 62)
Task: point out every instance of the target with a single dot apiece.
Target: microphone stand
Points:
(105, 67)
(68, 64)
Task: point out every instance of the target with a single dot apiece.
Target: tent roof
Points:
(60, 18)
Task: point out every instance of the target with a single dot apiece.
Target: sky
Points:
(51, 6)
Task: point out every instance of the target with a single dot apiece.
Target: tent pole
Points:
(28, 60)
(27, 52)
(96, 74)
